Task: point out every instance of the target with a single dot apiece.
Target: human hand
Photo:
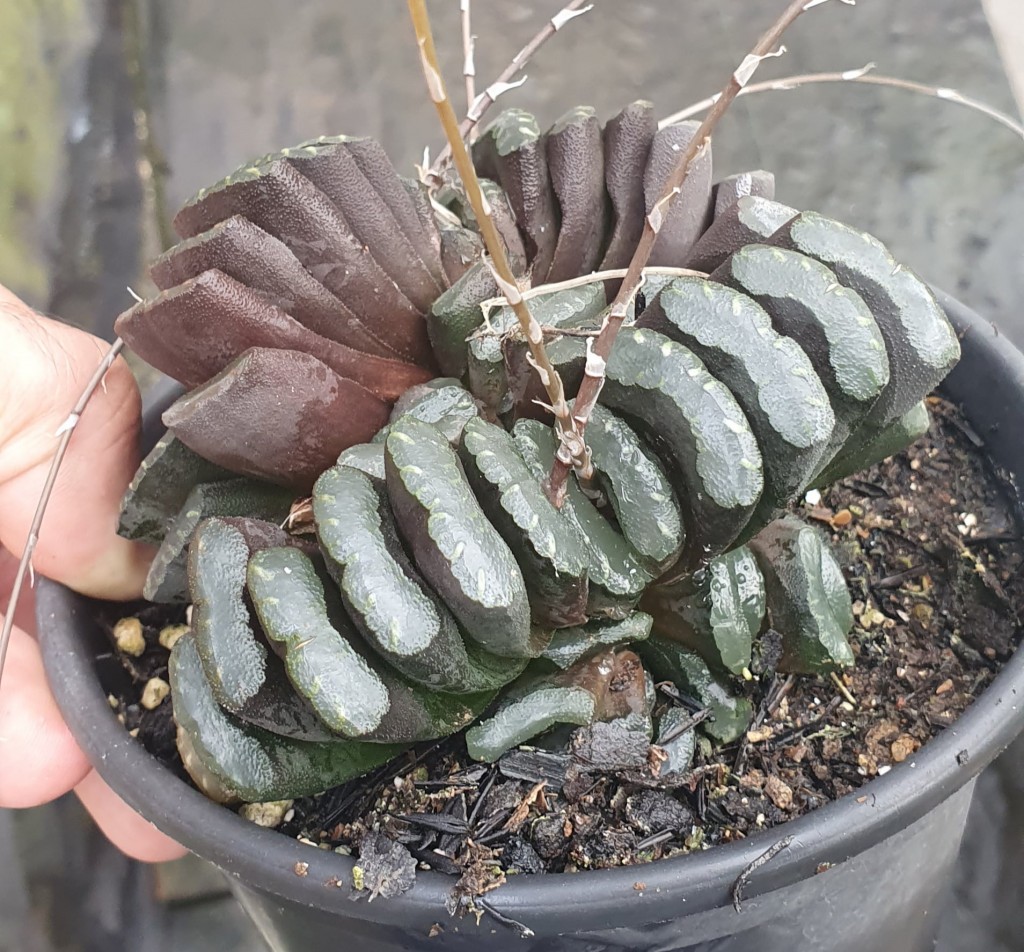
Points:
(44, 366)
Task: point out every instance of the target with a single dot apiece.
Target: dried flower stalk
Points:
(600, 349)
(497, 260)
(468, 48)
(479, 105)
(863, 76)
(64, 433)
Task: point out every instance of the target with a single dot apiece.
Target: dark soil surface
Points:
(931, 545)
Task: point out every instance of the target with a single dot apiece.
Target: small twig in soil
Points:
(862, 76)
(655, 840)
(65, 432)
(497, 260)
(744, 878)
(438, 822)
(792, 735)
(842, 689)
(480, 104)
(524, 931)
(783, 690)
(521, 812)
(574, 454)
(683, 726)
(992, 537)
(895, 581)
(481, 799)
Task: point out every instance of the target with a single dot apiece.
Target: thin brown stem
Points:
(861, 76)
(497, 260)
(506, 81)
(468, 47)
(65, 434)
(597, 355)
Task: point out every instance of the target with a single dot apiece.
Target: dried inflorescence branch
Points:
(862, 76)
(479, 105)
(498, 260)
(598, 353)
(64, 435)
(468, 48)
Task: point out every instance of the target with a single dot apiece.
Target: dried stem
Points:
(584, 279)
(861, 76)
(480, 104)
(598, 353)
(65, 432)
(498, 260)
(468, 46)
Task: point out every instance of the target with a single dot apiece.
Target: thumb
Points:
(44, 366)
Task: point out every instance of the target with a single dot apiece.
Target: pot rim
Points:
(585, 901)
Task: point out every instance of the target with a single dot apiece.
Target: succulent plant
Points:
(345, 362)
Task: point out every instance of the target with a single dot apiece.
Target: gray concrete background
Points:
(218, 83)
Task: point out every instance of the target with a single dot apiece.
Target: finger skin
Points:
(44, 367)
(128, 831)
(39, 759)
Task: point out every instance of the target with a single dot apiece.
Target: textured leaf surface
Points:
(443, 402)
(749, 220)
(368, 458)
(456, 314)
(697, 427)
(243, 677)
(729, 191)
(869, 447)
(232, 761)
(353, 694)
(511, 152)
(770, 376)
(690, 213)
(458, 551)
(239, 420)
(627, 144)
(526, 717)
(545, 545)
(262, 262)
(405, 197)
(160, 487)
(717, 612)
(167, 580)
(193, 331)
(460, 250)
(668, 660)
(576, 167)
(569, 645)
(500, 374)
(808, 601)
(332, 168)
(390, 603)
(831, 323)
(637, 487)
(285, 204)
(617, 576)
(921, 343)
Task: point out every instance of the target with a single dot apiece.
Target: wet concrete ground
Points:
(97, 95)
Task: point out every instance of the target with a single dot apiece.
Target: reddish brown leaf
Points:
(279, 415)
(287, 205)
(193, 331)
(249, 255)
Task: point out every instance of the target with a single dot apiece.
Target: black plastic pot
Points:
(867, 873)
